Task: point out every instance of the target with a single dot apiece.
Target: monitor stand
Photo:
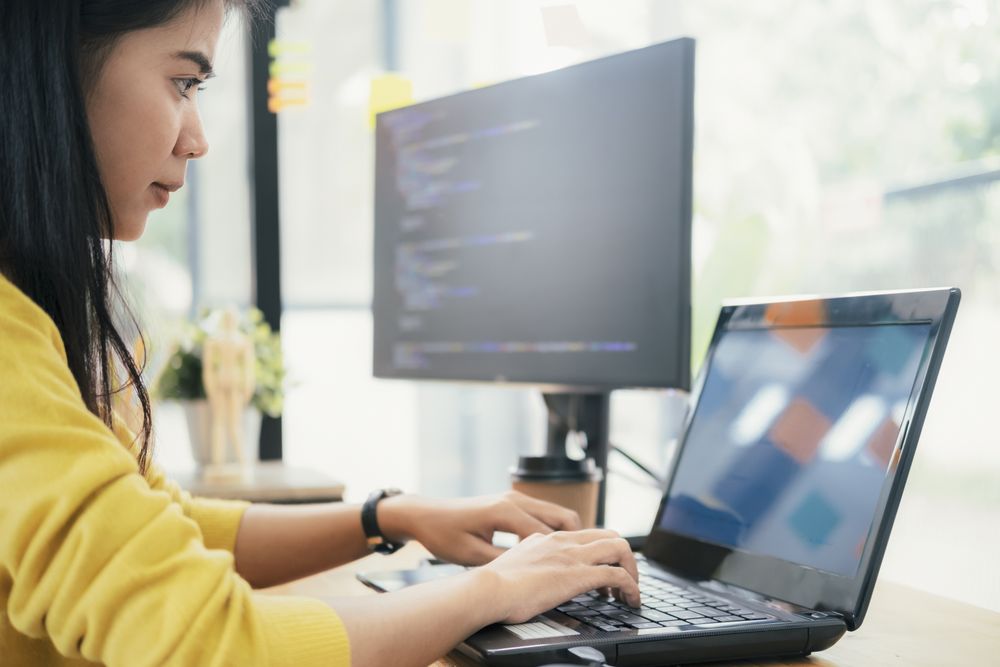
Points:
(586, 413)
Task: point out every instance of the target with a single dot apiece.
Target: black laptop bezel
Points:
(780, 579)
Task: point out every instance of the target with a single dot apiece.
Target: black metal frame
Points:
(264, 208)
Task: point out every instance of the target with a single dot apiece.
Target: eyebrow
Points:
(199, 59)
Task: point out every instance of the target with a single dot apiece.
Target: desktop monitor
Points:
(538, 231)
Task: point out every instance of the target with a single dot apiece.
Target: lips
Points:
(161, 191)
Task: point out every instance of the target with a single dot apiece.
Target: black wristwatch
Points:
(369, 522)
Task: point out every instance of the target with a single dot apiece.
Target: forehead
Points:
(194, 30)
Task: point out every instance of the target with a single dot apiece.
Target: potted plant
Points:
(181, 380)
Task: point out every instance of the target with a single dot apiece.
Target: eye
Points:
(184, 86)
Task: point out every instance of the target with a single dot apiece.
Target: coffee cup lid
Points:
(555, 469)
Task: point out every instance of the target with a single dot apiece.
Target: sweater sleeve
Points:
(218, 520)
(102, 565)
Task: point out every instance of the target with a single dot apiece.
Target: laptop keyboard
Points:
(664, 606)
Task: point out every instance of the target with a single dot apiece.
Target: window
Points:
(839, 147)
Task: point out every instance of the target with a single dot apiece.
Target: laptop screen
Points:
(794, 433)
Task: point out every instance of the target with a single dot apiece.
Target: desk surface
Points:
(268, 481)
(904, 626)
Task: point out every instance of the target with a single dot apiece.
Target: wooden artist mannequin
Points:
(228, 376)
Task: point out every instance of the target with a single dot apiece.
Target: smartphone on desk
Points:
(387, 581)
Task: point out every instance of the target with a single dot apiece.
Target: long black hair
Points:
(54, 211)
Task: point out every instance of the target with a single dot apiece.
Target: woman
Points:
(103, 559)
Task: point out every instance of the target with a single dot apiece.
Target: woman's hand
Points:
(546, 570)
(413, 626)
(461, 530)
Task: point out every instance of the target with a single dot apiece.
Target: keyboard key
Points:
(655, 615)
(715, 613)
(728, 619)
(673, 624)
(685, 615)
(594, 602)
(645, 626)
(631, 618)
(708, 611)
(606, 621)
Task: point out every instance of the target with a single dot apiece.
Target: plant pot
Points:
(199, 424)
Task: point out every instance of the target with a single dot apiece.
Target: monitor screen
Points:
(792, 439)
(538, 230)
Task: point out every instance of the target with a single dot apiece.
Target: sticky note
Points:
(283, 87)
(293, 68)
(279, 104)
(388, 91)
(279, 47)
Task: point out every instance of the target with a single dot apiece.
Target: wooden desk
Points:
(268, 482)
(904, 626)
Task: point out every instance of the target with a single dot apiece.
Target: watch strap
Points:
(377, 542)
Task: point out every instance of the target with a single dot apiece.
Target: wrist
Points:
(395, 518)
(485, 596)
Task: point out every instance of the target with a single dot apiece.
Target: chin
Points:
(130, 232)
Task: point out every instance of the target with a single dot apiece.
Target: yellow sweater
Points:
(101, 564)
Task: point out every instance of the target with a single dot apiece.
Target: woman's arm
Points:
(313, 538)
(280, 543)
(417, 625)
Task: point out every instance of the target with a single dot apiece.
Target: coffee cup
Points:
(568, 482)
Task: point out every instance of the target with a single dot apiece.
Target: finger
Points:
(555, 516)
(513, 519)
(611, 551)
(616, 578)
(588, 535)
(477, 551)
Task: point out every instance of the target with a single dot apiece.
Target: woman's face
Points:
(143, 113)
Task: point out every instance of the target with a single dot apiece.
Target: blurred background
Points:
(840, 146)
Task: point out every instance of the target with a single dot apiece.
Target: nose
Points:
(191, 142)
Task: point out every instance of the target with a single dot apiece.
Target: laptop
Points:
(771, 531)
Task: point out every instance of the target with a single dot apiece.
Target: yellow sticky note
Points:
(279, 47)
(388, 91)
(294, 68)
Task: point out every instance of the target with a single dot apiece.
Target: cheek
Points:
(134, 137)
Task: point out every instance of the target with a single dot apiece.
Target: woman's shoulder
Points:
(23, 323)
